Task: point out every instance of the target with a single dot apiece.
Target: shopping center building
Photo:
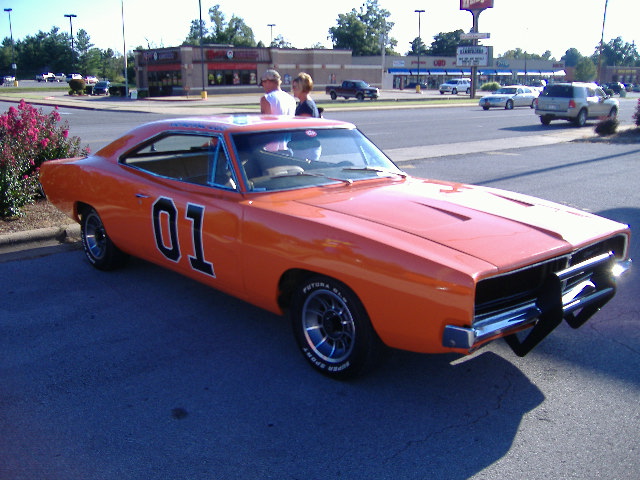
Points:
(193, 70)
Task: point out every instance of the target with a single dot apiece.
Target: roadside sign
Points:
(473, 56)
(474, 36)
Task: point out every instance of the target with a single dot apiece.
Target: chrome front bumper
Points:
(554, 303)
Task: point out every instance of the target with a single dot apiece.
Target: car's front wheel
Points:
(332, 328)
(333, 95)
(509, 105)
(98, 247)
(613, 113)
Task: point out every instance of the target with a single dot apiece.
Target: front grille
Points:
(524, 287)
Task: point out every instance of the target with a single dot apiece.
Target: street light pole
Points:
(13, 62)
(124, 48)
(203, 93)
(70, 16)
(419, 45)
(271, 25)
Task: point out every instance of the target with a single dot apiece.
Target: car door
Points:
(186, 208)
(595, 102)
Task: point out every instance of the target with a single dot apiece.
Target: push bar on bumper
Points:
(554, 303)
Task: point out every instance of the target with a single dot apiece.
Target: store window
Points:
(232, 77)
(162, 83)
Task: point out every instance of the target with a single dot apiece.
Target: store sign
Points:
(475, 4)
(474, 36)
(474, 56)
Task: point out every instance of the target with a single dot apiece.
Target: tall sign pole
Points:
(475, 7)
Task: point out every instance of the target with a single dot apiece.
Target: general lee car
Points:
(306, 217)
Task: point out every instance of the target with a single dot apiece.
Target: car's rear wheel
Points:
(545, 120)
(98, 247)
(581, 119)
(332, 328)
(333, 95)
(485, 107)
(613, 113)
(509, 105)
(454, 91)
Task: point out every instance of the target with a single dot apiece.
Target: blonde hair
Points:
(305, 81)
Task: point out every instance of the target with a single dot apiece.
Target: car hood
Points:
(499, 227)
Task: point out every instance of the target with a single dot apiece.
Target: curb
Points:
(14, 241)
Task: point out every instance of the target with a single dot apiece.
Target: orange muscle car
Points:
(307, 217)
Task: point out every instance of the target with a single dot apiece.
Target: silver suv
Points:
(575, 102)
(456, 85)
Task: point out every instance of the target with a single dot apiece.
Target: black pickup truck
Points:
(352, 88)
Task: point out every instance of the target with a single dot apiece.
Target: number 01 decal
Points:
(165, 214)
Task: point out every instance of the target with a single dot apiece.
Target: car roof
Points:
(223, 123)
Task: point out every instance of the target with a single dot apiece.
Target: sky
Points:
(533, 25)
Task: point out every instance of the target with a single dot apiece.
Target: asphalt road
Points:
(142, 374)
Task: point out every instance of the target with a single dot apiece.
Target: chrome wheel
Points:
(328, 326)
(98, 247)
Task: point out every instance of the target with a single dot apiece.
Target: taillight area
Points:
(572, 103)
(535, 103)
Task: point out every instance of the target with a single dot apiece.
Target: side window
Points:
(197, 159)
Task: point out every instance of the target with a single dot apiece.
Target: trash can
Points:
(203, 94)
(133, 94)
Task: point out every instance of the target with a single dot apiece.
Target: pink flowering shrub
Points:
(28, 137)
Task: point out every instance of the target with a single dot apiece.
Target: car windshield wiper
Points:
(319, 175)
(375, 169)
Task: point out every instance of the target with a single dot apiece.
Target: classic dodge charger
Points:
(308, 218)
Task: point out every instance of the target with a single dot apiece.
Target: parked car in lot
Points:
(101, 87)
(576, 102)
(615, 87)
(61, 77)
(8, 80)
(90, 80)
(456, 85)
(46, 77)
(352, 88)
(74, 76)
(509, 97)
(306, 217)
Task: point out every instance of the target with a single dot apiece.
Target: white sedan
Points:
(509, 97)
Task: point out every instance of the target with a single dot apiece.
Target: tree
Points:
(418, 47)
(518, 53)
(617, 53)
(585, 70)
(235, 32)
(280, 42)
(446, 44)
(571, 57)
(364, 32)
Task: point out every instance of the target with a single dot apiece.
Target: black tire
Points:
(485, 108)
(468, 91)
(545, 120)
(454, 91)
(509, 105)
(333, 95)
(98, 247)
(581, 119)
(332, 328)
(613, 113)
(360, 96)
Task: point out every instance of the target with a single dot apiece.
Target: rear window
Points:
(563, 91)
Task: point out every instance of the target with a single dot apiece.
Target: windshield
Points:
(506, 91)
(288, 159)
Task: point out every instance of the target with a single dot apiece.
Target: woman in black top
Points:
(302, 86)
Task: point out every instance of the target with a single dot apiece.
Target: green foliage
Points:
(571, 57)
(585, 70)
(235, 32)
(607, 126)
(617, 53)
(445, 44)
(518, 53)
(361, 31)
(77, 86)
(490, 86)
(28, 138)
